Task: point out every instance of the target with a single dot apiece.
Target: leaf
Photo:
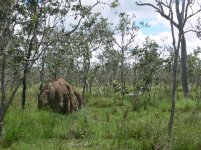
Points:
(114, 4)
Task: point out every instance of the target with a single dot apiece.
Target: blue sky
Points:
(138, 14)
(152, 29)
(159, 27)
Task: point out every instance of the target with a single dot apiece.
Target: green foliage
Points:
(114, 4)
(149, 61)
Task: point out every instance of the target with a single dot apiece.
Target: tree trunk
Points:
(3, 84)
(84, 86)
(84, 89)
(42, 71)
(4, 103)
(5, 106)
(24, 79)
(6, 42)
(184, 67)
(24, 84)
(3, 92)
(86, 66)
(174, 87)
(174, 79)
(30, 48)
(1, 121)
(122, 73)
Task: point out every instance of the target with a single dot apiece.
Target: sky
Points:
(159, 29)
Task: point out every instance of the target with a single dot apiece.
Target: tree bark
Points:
(174, 87)
(24, 89)
(42, 71)
(3, 84)
(122, 72)
(24, 79)
(3, 92)
(86, 66)
(174, 79)
(184, 66)
(181, 22)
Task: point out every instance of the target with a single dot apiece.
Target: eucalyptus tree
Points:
(110, 61)
(10, 20)
(61, 56)
(6, 32)
(148, 63)
(183, 10)
(35, 18)
(91, 37)
(125, 33)
(146, 70)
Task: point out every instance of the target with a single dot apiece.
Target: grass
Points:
(103, 124)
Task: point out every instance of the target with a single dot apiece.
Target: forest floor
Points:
(104, 124)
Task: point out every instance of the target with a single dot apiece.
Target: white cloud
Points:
(148, 13)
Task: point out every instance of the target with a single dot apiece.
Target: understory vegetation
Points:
(140, 88)
(104, 123)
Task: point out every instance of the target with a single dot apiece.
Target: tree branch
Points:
(79, 22)
(158, 10)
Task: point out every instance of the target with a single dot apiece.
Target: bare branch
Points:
(115, 41)
(193, 14)
(82, 17)
(160, 12)
(75, 28)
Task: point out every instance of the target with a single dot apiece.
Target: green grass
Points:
(105, 123)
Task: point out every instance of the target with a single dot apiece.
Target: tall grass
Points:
(103, 124)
